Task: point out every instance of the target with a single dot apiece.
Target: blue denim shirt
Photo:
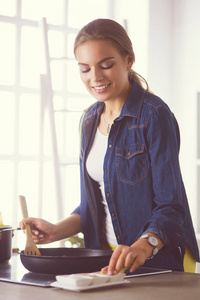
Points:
(142, 178)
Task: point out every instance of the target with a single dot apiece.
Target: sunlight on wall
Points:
(136, 14)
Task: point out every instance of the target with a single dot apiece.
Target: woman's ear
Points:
(130, 61)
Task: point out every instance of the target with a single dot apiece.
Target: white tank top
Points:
(94, 165)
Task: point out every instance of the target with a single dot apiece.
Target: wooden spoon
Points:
(30, 248)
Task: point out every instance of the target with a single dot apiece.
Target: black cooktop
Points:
(13, 271)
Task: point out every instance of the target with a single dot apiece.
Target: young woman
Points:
(132, 195)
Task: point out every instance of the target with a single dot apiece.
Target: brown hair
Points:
(107, 29)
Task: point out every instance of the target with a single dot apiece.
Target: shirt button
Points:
(118, 236)
(108, 194)
(106, 170)
(110, 146)
(113, 214)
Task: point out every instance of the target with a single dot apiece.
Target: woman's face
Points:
(103, 70)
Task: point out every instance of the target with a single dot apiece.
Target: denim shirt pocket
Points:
(131, 165)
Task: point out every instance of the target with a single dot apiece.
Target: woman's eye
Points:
(85, 70)
(107, 67)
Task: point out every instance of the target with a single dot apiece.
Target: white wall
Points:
(174, 74)
(167, 48)
(136, 13)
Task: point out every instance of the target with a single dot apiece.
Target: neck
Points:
(112, 113)
(113, 108)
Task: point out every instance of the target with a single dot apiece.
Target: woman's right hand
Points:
(42, 231)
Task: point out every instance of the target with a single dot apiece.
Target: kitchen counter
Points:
(16, 283)
(173, 286)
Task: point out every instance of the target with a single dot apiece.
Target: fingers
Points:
(26, 221)
(125, 257)
(136, 264)
(117, 261)
(37, 236)
(21, 225)
(105, 271)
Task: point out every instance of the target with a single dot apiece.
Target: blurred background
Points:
(39, 139)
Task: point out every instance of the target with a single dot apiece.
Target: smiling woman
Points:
(103, 31)
(132, 194)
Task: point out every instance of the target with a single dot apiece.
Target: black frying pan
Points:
(66, 260)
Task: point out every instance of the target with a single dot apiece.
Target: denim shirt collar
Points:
(133, 105)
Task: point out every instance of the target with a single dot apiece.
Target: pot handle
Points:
(10, 229)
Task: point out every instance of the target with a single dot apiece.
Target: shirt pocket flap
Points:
(130, 152)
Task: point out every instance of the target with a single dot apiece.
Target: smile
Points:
(101, 87)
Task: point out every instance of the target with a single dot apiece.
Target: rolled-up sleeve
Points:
(77, 210)
(168, 214)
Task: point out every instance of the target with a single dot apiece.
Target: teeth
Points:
(101, 87)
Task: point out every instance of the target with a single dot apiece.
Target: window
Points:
(21, 61)
(20, 103)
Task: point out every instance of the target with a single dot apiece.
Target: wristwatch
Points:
(153, 242)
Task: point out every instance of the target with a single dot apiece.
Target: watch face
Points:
(153, 241)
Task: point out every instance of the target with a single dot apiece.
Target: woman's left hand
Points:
(125, 257)
(130, 257)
